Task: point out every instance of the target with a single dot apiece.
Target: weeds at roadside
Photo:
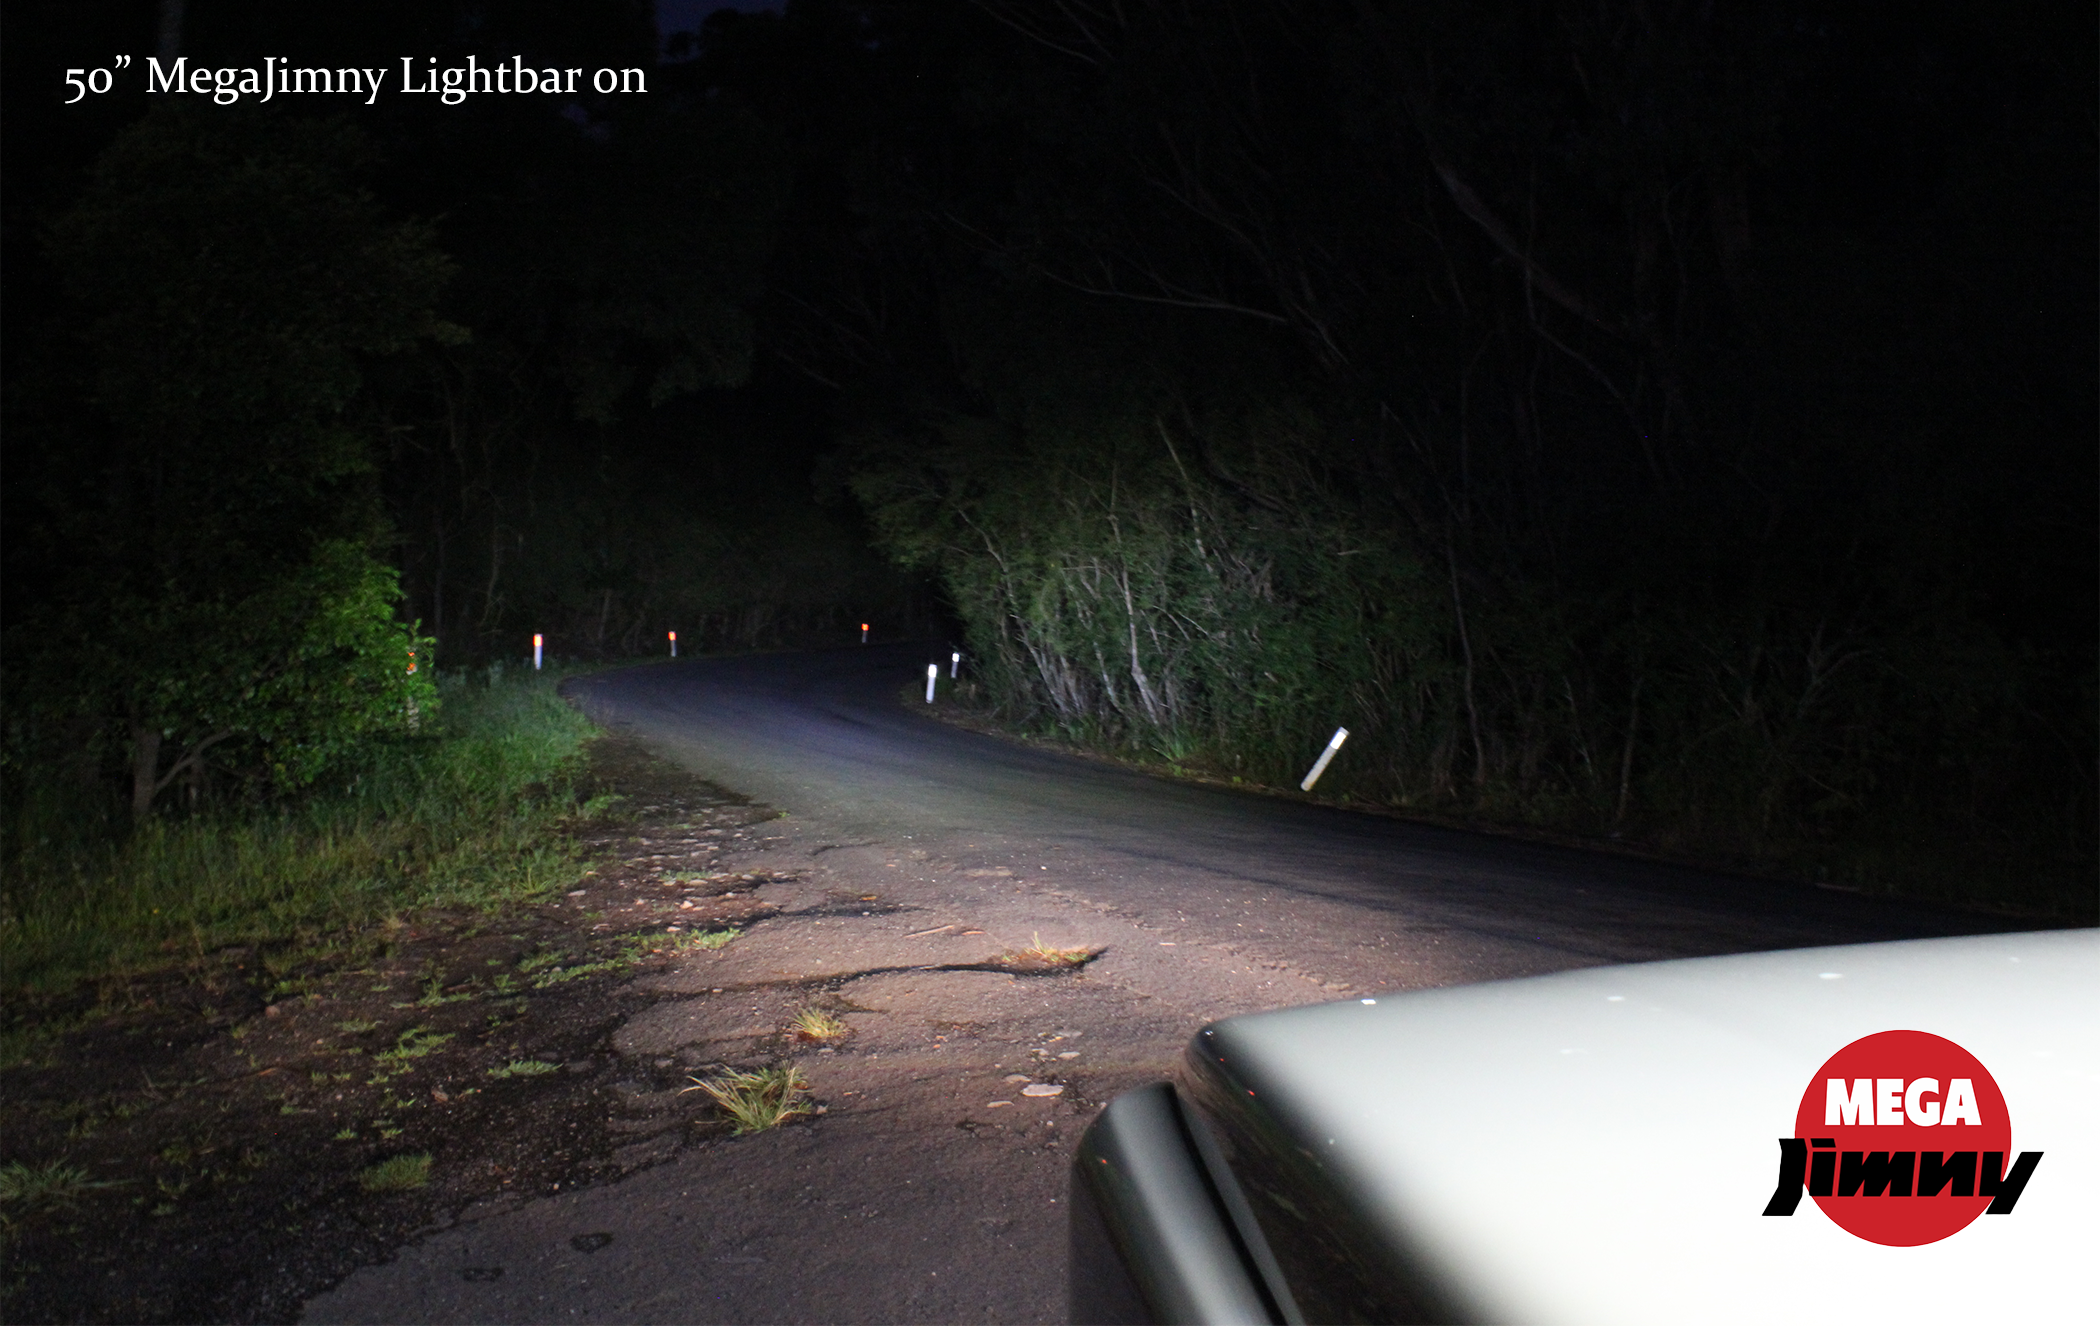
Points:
(412, 1044)
(397, 1174)
(1039, 954)
(434, 995)
(699, 940)
(819, 1026)
(474, 817)
(557, 975)
(757, 1100)
(53, 1184)
(197, 1235)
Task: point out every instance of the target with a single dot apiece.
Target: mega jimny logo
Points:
(1901, 1138)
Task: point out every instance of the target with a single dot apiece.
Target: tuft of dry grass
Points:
(758, 1100)
(1039, 954)
(818, 1026)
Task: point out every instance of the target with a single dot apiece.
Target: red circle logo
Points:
(1905, 1130)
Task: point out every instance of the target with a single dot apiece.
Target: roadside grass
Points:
(525, 1068)
(397, 1174)
(692, 941)
(52, 1184)
(819, 1026)
(760, 1099)
(1043, 955)
(468, 814)
(699, 940)
(413, 1043)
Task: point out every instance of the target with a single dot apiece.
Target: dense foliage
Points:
(219, 602)
(1654, 420)
(1664, 420)
(303, 403)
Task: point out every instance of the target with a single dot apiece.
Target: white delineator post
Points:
(1334, 743)
(864, 633)
(537, 641)
(954, 664)
(415, 716)
(933, 672)
(674, 644)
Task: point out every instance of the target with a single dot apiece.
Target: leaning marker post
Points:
(933, 672)
(415, 716)
(537, 640)
(1334, 743)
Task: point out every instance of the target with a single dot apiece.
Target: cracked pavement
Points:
(910, 856)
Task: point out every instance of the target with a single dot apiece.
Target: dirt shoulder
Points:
(217, 1143)
(233, 1128)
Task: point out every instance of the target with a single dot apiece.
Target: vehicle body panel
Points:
(1599, 1145)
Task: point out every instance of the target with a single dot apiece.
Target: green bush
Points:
(467, 812)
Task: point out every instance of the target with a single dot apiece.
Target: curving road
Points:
(1361, 900)
(914, 854)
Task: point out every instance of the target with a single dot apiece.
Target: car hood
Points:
(1599, 1146)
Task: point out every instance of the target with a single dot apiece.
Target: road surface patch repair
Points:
(915, 868)
(949, 1109)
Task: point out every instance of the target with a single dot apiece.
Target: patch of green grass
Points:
(397, 1174)
(696, 941)
(434, 992)
(757, 1100)
(471, 813)
(525, 1068)
(412, 1044)
(546, 957)
(52, 1184)
(582, 969)
(30, 1043)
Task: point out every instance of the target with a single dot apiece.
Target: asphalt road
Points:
(931, 1191)
(1361, 899)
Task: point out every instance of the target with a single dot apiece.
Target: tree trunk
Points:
(145, 769)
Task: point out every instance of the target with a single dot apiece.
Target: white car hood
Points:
(1598, 1146)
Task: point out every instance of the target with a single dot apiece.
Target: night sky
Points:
(1679, 414)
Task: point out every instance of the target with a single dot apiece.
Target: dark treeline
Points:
(1670, 421)
(300, 393)
(1667, 420)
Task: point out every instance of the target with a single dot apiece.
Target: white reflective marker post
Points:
(537, 639)
(864, 633)
(954, 663)
(933, 672)
(1334, 743)
(674, 644)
